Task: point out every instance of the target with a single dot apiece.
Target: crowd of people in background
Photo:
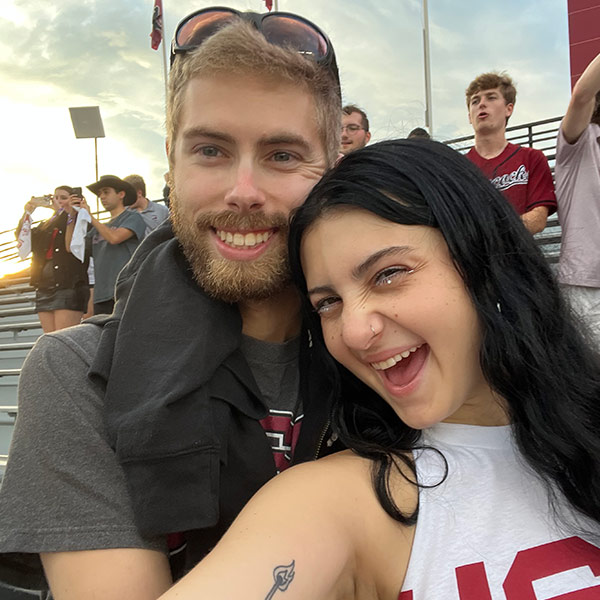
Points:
(382, 307)
(69, 288)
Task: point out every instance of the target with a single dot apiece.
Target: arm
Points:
(321, 525)
(72, 219)
(113, 574)
(541, 199)
(535, 219)
(583, 101)
(293, 527)
(112, 235)
(28, 208)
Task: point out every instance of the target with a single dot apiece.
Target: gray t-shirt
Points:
(577, 175)
(109, 259)
(275, 369)
(154, 214)
(63, 488)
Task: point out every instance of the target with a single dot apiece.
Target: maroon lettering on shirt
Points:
(528, 566)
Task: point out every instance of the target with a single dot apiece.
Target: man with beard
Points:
(150, 428)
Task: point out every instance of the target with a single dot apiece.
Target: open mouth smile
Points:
(400, 373)
(238, 239)
(394, 360)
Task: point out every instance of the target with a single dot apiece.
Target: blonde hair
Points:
(239, 48)
(137, 182)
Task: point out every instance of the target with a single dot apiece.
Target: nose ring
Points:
(373, 330)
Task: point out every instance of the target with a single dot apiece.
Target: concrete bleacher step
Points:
(18, 285)
(19, 289)
(20, 326)
(16, 346)
(18, 312)
(19, 329)
(8, 300)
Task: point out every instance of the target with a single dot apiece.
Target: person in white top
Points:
(468, 400)
(577, 174)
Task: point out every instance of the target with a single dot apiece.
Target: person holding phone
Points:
(114, 242)
(59, 278)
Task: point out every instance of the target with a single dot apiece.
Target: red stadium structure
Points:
(584, 34)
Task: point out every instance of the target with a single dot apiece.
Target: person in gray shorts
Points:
(150, 428)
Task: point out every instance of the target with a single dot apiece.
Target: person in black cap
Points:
(114, 242)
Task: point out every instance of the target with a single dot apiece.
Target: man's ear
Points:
(167, 145)
(368, 137)
(509, 109)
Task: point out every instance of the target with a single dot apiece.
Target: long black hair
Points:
(533, 353)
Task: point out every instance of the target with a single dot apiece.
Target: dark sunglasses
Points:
(280, 28)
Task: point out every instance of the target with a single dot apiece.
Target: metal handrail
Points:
(527, 126)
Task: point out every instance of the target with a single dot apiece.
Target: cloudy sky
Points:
(97, 53)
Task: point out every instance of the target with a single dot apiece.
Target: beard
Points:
(230, 280)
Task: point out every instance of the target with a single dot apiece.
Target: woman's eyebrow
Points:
(359, 270)
(320, 289)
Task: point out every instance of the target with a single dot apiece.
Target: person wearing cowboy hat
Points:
(113, 242)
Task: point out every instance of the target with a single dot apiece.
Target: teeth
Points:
(394, 360)
(242, 240)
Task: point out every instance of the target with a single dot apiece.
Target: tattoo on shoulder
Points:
(283, 576)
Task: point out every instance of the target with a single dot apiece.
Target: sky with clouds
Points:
(54, 55)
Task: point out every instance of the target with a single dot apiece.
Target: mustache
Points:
(234, 220)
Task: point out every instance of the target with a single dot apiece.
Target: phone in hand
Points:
(77, 191)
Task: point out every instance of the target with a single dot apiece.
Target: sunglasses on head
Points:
(280, 28)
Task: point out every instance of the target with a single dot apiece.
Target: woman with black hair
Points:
(468, 397)
(59, 278)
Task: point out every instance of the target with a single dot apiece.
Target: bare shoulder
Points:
(347, 475)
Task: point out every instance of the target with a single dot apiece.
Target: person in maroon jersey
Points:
(521, 174)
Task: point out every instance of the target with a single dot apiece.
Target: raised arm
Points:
(28, 208)
(112, 235)
(583, 102)
(72, 219)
